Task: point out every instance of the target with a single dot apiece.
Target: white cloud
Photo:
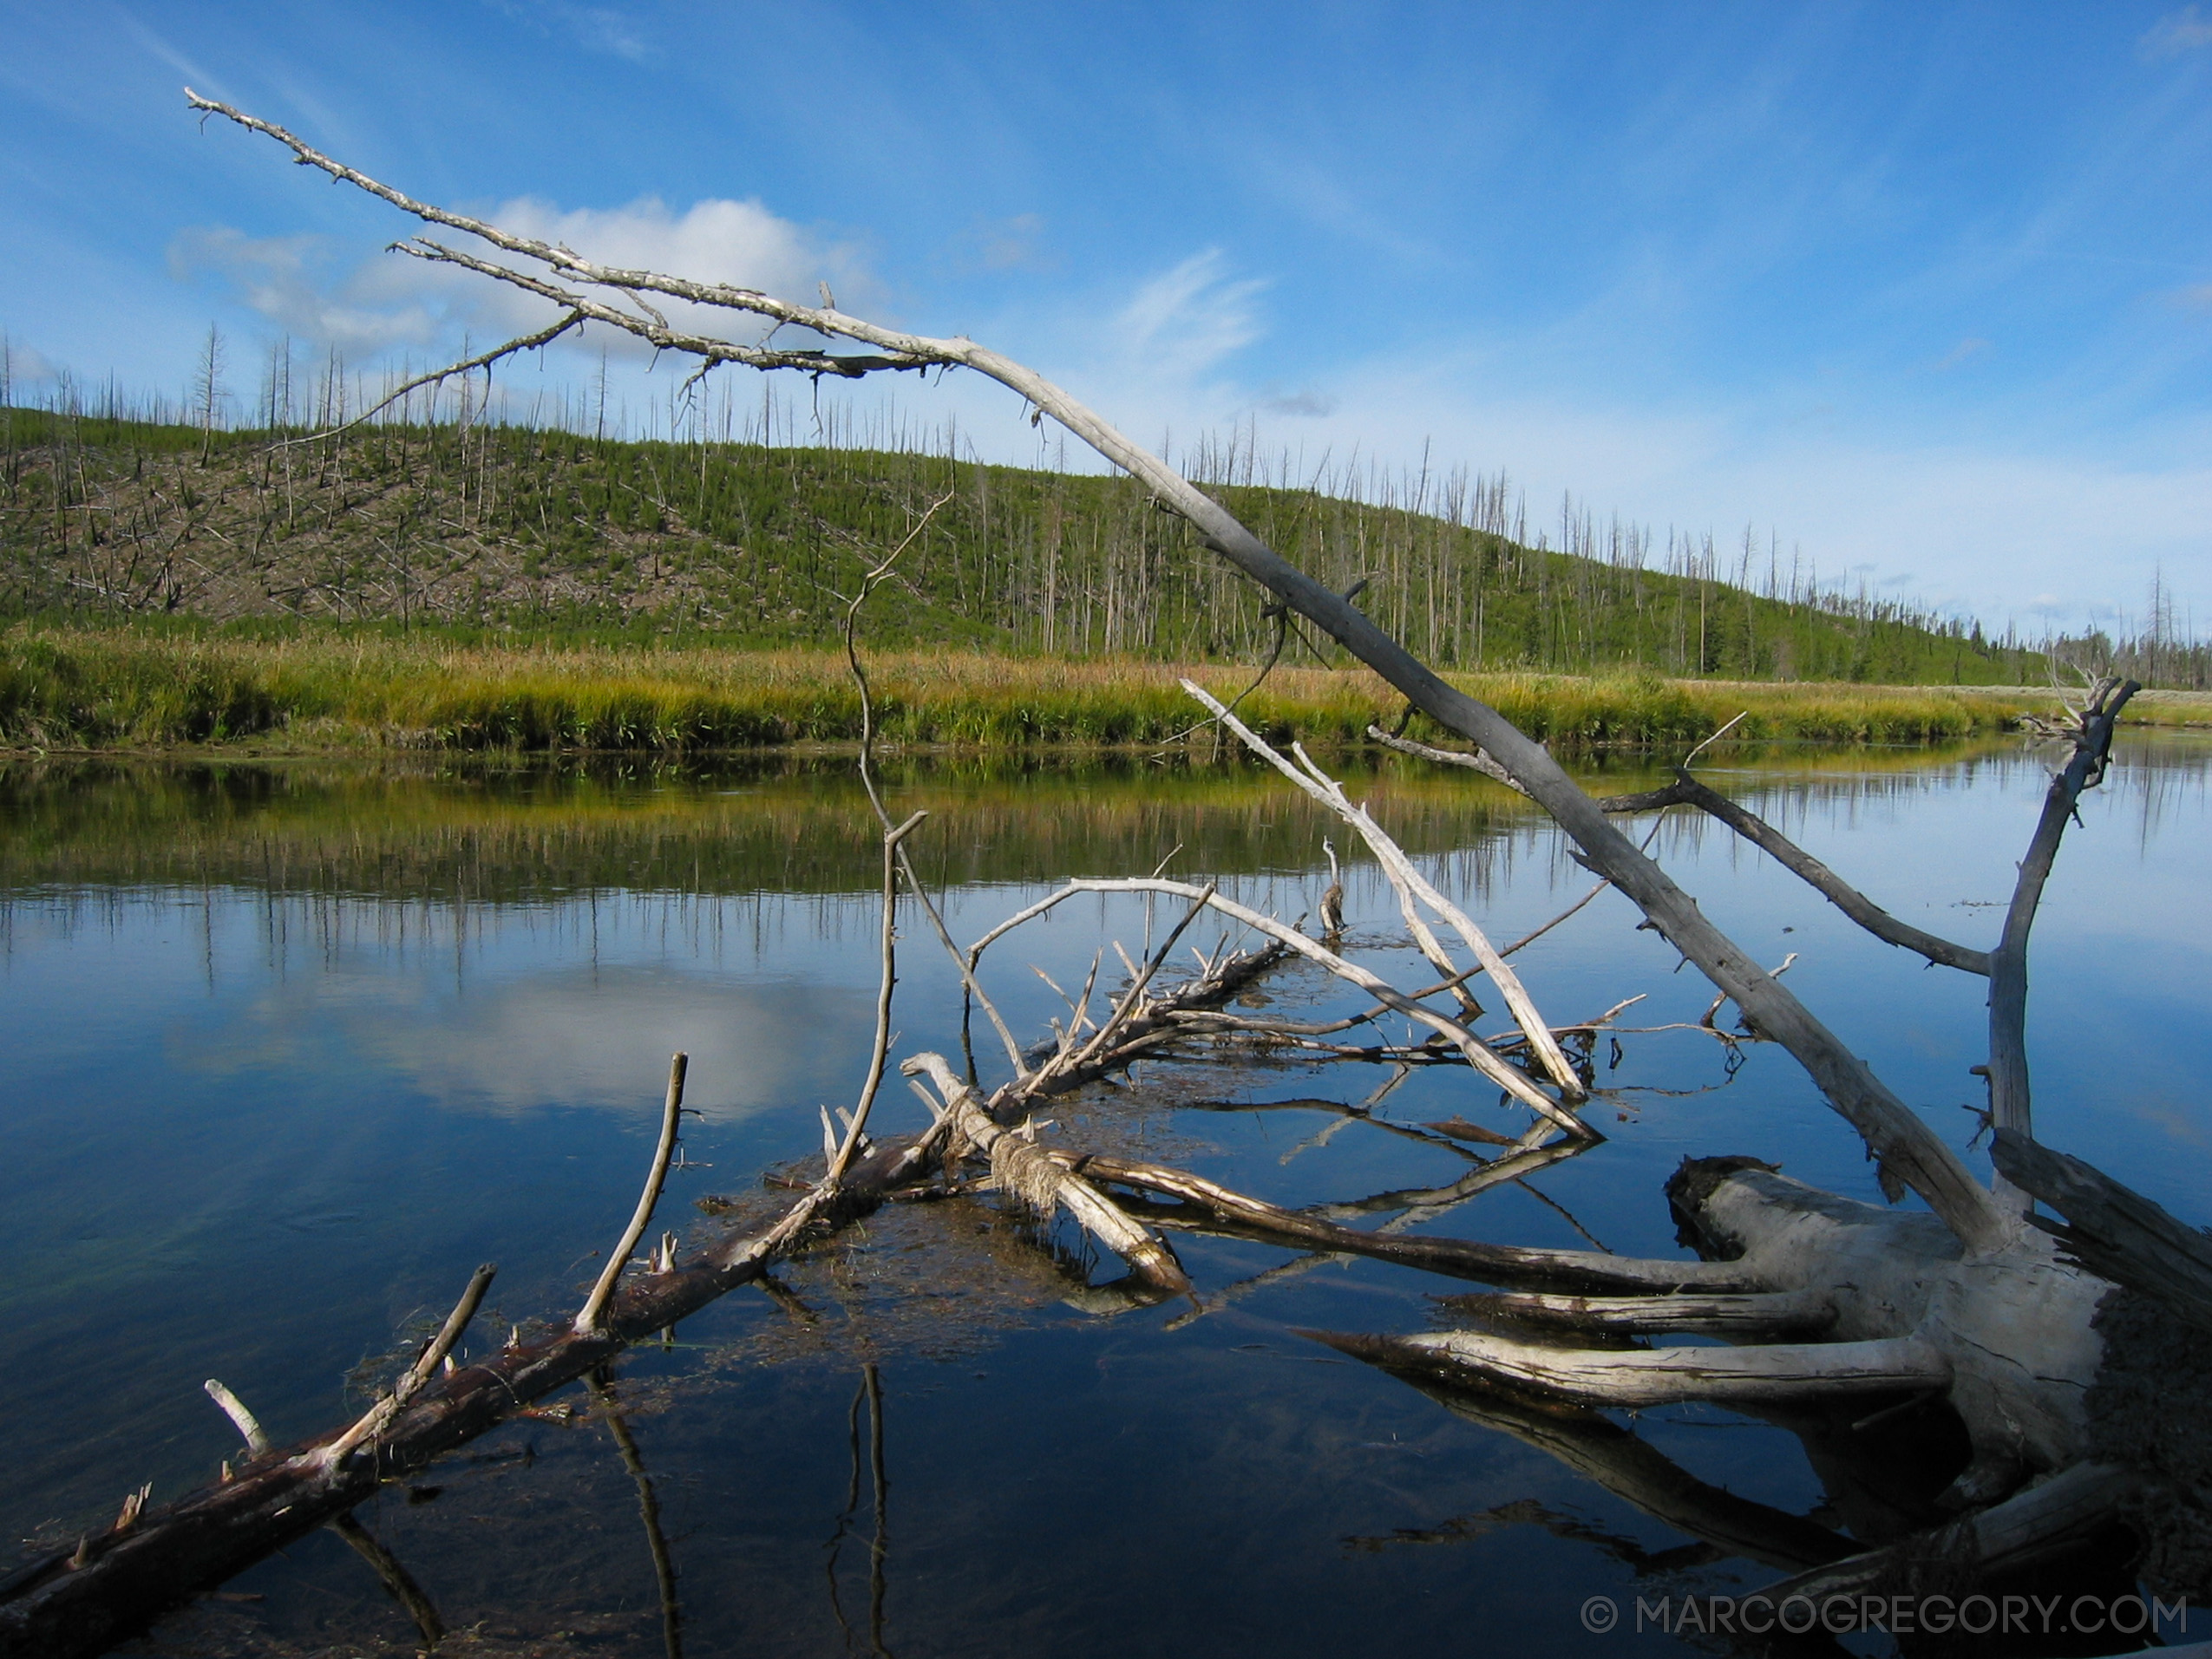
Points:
(390, 302)
(288, 279)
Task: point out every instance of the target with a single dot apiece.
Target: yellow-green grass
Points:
(70, 689)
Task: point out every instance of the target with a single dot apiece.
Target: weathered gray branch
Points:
(1412, 886)
(1754, 1314)
(1781, 1375)
(1687, 791)
(1569, 1269)
(373, 1422)
(587, 1317)
(2115, 1232)
(1853, 903)
(2009, 1106)
(879, 1049)
(1029, 1174)
(1477, 1052)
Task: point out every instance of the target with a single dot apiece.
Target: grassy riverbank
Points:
(68, 688)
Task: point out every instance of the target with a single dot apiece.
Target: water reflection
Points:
(288, 1047)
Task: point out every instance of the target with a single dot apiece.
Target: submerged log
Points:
(80, 1603)
(2006, 1337)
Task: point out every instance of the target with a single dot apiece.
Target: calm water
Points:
(290, 1049)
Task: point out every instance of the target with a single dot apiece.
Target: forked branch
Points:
(2084, 769)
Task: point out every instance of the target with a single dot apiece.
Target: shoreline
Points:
(116, 691)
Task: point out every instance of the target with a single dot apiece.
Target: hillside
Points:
(469, 531)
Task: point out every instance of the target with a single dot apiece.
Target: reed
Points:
(132, 689)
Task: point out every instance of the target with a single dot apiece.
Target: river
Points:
(290, 1048)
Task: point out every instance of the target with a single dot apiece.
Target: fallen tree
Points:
(1825, 1304)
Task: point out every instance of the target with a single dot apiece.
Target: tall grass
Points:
(126, 689)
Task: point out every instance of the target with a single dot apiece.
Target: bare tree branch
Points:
(1687, 791)
(2009, 1105)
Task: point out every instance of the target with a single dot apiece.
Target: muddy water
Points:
(289, 1050)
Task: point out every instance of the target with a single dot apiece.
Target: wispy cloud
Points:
(24, 363)
(596, 29)
(2176, 33)
(1965, 351)
(1185, 321)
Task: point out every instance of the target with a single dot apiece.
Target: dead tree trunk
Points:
(1969, 1301)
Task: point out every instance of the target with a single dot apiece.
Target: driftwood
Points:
(1966, 1303)
(2006, 1339)
(114, 1585)
(1213, 1207)
(1020, 1168)
(1413, 891)
(80, 1602)
(2084, 769)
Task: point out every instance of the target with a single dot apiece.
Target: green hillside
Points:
(489, 530)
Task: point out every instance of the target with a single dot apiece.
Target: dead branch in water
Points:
(80, 1605)
(2084, 769)
(1964, 1301)
(1027, 1174)
(1412, 886)
(1472, 1048)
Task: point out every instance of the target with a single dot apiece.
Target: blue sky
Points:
(1924, 291)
